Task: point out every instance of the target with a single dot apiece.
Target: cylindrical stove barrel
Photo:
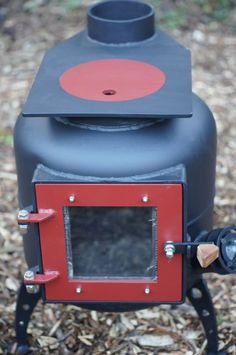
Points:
(124, 150)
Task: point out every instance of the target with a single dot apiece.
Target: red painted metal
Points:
(43, 278)
(167, 198)
(112, 80)
(39, 217)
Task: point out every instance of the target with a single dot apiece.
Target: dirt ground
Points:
(58, 329)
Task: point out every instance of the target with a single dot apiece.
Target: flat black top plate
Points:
(174, 99)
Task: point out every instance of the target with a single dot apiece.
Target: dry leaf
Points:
(155, 340)
(192, 334)
(84, 340)
(12, 284)
(125, 321)
(50, 342)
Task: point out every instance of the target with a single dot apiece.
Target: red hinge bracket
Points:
(24, 217)
(38, 279)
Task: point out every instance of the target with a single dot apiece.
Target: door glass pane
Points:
(111, 242)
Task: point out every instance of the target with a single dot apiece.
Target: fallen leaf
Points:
(192, 334)
(45, 341)
(155, 340)
(11, 284)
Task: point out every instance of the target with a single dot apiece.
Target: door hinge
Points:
(32, 278)
(25, 216)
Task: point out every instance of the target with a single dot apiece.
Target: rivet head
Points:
(29, 275)
(23, 228)
(205, 313)
(26, 307)
(78, 289)
(23, 214)
(72, 198)
(32, 289)
(196, 293)
(147, 290)
(145, 198)
(169, 250)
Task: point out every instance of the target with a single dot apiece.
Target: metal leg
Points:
(25, 305)
(200, 298)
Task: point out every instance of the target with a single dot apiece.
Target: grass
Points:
(6, 138)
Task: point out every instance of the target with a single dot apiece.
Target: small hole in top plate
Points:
(109, 92)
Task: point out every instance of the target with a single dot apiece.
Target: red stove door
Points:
(106, 241)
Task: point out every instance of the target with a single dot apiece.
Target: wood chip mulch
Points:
(68, 330)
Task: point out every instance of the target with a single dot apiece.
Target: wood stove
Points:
(116, 171)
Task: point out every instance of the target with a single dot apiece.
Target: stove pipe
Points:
(121, 22)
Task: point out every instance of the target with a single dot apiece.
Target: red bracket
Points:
(45, 278)
(39, 217)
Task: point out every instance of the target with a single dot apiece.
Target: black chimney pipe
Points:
(121, 22)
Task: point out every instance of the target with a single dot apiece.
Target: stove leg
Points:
(25, 305)
(201, 300)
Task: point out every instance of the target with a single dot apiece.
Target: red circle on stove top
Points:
(112, 80)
